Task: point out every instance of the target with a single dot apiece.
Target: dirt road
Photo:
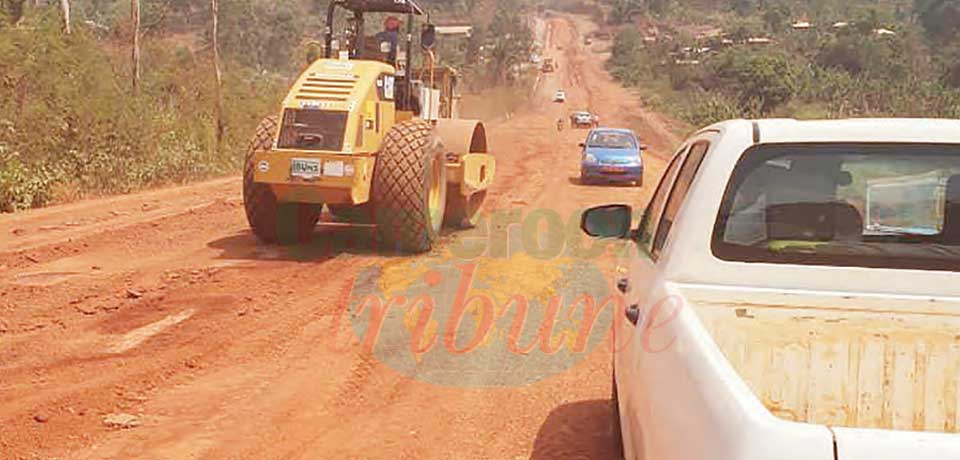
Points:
(162, 306)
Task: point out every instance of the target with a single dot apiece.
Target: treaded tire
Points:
(463, 212)
(402, 184)
(272, 222)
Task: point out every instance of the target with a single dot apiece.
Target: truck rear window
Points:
(854, 205)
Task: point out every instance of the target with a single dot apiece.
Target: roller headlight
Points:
(588, 158)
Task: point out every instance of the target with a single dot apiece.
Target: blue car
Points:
(611, 155)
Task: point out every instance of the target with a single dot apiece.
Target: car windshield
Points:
(887, 206)
(612, 140)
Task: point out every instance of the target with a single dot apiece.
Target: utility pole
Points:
(215, 7)
(65, 8)
(135, 53)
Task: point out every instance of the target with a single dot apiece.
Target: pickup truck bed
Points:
(792, 293)
(842, 360)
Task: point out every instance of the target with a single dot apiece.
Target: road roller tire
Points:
(273, 222)
(410, 188)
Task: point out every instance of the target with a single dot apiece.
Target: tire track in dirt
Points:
(61, 368)
(252, 373)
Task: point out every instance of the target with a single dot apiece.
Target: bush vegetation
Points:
(71, 125)
(889, 58)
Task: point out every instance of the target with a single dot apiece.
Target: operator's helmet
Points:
(391, 23)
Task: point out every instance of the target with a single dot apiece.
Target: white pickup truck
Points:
(792, 292)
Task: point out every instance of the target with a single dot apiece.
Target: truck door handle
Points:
(633, 314)
(623, 285)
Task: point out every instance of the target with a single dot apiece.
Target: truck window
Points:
(656, 206)
(689, 171)
(882, 206)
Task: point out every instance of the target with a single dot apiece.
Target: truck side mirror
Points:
(611, 221)
(582, 145)
(428, 37)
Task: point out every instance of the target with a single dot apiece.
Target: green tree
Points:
(623, 10)
(744, 7)
(869, 55)
(743, 28)
(11, 10)
(625, 44)
(512, 39)
(776, 17)
(767, 79)
(630, 59)
(951, 65)
(660, 7)
(939, 18)
(260, 33)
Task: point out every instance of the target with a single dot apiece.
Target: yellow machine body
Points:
(359, 95)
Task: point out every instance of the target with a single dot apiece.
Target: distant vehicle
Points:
(587, 41)
(603, 35)
(759, 41)
(583, 120)
(548, 65)
(792, 292)
(611, 155)
(560, 96)
(536, 59)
